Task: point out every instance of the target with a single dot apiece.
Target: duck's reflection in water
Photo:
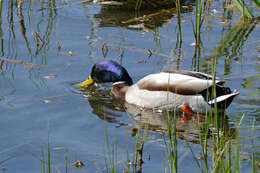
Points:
(188, 127)
(104, 105)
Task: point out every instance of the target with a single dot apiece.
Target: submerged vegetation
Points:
(213, 143)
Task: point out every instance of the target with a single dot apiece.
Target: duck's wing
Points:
(199, 75)
(180, 83)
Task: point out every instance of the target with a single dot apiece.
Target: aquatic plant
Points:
(246, 12)
(111, 152)
(172, 147)
(198, 22)
(43, 159)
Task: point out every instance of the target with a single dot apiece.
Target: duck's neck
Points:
(119, 89)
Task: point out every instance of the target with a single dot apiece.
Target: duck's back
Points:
(174, 82)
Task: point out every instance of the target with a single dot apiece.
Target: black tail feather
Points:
(208, 95)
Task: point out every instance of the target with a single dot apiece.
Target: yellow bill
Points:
(85, 83)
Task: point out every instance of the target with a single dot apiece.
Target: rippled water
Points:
(47, 47)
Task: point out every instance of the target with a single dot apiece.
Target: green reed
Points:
(139, 147)
(138, 4)
(196, 27)
(224, 151)
(198, 22)
(203, 138)
(179, 36)
(178, 45)
(246, 13)
(218, 145)
(66, 162)
(47, 162)
(253, 158)
(171, 148)
(43, 160)
(257, 2)
(137, 156)
(49, 155)
(111, 152)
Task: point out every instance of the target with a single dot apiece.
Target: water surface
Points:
(52, 46)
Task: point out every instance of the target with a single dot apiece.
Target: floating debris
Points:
(47, 101)
(193, 44)
(50, 76)
(149, 52)
(131, 163)
(71, 53)
(125, 170)
(214, 11)
(58, 47)
(199, 157)
(78, 164)
(92, 39)
(134, 131)
(158, 111)
(104, 50)
(141, 61)
(149, 157)
(225, 22)
(236, 58)
(3, 168)
(230, 7)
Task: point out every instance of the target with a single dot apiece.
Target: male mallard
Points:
(191, 91)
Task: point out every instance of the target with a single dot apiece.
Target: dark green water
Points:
(37, 95)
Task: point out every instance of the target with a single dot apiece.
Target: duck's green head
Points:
(107, 71)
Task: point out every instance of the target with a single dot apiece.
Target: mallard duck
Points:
(191, 91)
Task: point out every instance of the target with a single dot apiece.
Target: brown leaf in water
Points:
(78, 164)
(58, 47)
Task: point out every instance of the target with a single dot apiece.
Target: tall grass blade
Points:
(257, 2)
(111, 152)
(198, 21)
(172, 140)
(178, 6)
(43, 158)
(243, 8)
(204, 142)
(138, 5)
(66, 162)
(49, 155)
(253, 148)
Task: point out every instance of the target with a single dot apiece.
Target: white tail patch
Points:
(224, 97)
